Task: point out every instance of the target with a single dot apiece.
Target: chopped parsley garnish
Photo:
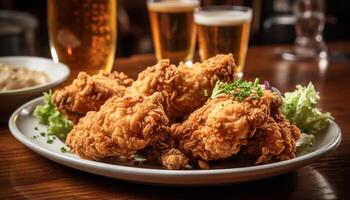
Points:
(239, 89)
(49, 136)
(205, 93)
(63, 150)
(36, 128)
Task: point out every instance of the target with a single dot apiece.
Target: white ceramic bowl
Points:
(12, 99)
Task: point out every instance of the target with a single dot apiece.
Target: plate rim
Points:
(330, 146)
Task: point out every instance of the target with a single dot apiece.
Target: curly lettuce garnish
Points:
(43, 112)
(300, 107)
(48, 115)
(239, 89)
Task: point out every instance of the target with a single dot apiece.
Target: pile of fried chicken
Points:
(168, 116)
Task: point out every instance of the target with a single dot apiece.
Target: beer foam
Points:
(173, 6)
(222, 17)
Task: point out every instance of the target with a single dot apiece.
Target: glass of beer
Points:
(83, 34)
(224, 29)
(173, 29)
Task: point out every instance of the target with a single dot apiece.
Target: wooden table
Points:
(26, 175)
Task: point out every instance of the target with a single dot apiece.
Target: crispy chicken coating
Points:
(274, 141)
(183, 87)
(88, 93)
(115, 116)
(121, 127)
(218, 129)
(124, 125)
(162, 152)
(156, 148)
(173, 159)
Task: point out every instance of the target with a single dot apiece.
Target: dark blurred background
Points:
(273, 23)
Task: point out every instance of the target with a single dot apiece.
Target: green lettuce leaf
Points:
(48, 115)
(300, 107)
(43, 112)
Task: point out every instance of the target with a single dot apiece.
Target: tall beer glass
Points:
(224, 29)
(173, 29)
(83, 33)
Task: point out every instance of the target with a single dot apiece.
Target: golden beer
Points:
(173, 29)
(83, 33)
(223, 29)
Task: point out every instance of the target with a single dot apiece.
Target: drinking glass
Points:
(224, 29)
(173, 30)
(83, 33)
(310, 21)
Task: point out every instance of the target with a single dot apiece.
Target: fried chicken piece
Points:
(124, 125)
(173, 159)
(183, 87)
(274, 141)
(218, 129)
(88, 93)
(162, 152)
(155, 149)
(121, 127)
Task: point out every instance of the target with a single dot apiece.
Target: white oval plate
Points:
(22, 125)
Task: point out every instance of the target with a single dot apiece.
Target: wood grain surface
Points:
(26, 175)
